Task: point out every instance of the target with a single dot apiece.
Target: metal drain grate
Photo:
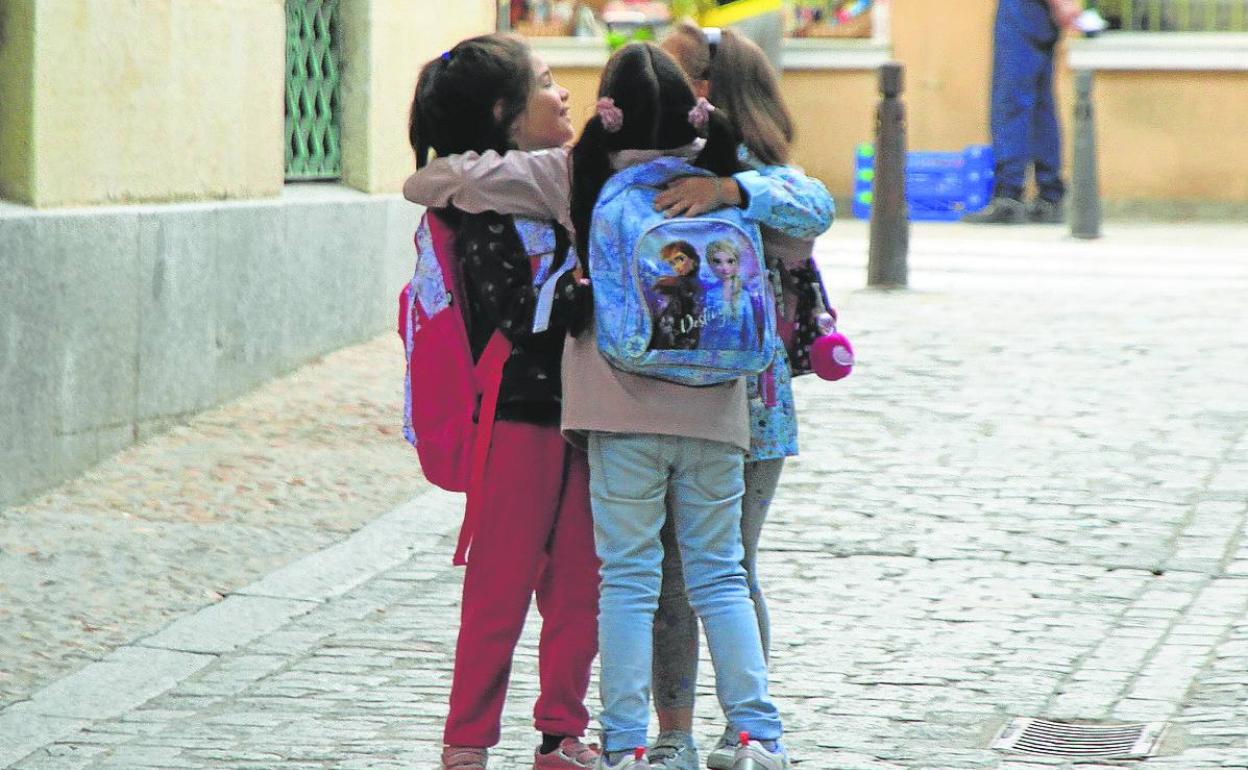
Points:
(1068, 739)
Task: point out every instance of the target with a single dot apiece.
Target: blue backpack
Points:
(685, 299)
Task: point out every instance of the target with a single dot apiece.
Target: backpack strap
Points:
(489, 371)
(546, 294)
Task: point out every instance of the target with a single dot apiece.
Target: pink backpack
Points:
(443, 384)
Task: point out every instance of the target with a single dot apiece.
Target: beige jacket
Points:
(599, 397)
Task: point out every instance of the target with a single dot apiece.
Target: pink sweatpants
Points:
(535, 534)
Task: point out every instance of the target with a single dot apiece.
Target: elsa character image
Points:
(731, 318)
(677, 300)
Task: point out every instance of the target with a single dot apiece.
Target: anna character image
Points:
(678, 300)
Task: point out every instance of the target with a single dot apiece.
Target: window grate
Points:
(313, 149)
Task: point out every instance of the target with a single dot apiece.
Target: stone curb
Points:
(135, 673)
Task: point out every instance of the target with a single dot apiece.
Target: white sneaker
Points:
(753, 756)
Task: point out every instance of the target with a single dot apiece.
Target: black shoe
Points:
(1046, 212)
(999, 211)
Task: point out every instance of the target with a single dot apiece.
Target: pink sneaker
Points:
(570, 754)
(464, 758)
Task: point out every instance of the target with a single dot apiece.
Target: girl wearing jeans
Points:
(652, 441)
(736, 76)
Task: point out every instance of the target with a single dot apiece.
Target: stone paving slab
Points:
(1026, 501)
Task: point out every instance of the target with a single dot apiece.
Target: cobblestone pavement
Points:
(173, 524)
(1029, 499)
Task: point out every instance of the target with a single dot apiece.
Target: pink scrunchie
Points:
(612, 117)
(700, 115)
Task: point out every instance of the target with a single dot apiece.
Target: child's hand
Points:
(691, 196)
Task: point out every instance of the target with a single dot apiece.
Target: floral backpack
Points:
(685, 299)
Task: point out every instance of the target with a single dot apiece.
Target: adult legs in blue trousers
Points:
(1024, 118)
(1025, 131)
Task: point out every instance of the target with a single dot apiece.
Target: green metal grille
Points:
(313, 146)
(1177, 15)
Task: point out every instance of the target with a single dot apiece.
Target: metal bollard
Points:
(890, 220)
(1085, 192)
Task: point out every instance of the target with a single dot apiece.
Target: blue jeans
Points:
(633, 478)
(675, 624)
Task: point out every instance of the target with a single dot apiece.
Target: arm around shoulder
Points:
(530, 184)
(785, 199)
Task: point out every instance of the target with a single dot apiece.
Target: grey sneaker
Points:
(674, 750)
(629, 761)
(999, 211)
(753, 756)
(724, 753)
(1046, 212)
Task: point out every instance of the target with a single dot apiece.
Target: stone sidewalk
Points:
(1028, 500)
(172, 525)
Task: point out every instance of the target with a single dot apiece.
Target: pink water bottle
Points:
(831, 355)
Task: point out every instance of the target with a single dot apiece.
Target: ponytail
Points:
(419, 128)
(592, 168)
(655, 97)
(719, 156)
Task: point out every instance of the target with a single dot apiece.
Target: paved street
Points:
(1028, 500)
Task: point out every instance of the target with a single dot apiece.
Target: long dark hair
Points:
(743, 84)
(453, 107)
(651, 90)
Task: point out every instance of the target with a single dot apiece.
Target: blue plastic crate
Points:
(941, 186)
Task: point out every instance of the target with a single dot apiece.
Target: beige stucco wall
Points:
(834, 111)
(169, 100)
(948, 59)
(385, 44)
(1172, 135)
(156, 101)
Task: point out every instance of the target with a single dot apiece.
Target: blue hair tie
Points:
(446, 56)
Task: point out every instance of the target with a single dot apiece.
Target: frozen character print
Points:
(730, 312)
(678, 315)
